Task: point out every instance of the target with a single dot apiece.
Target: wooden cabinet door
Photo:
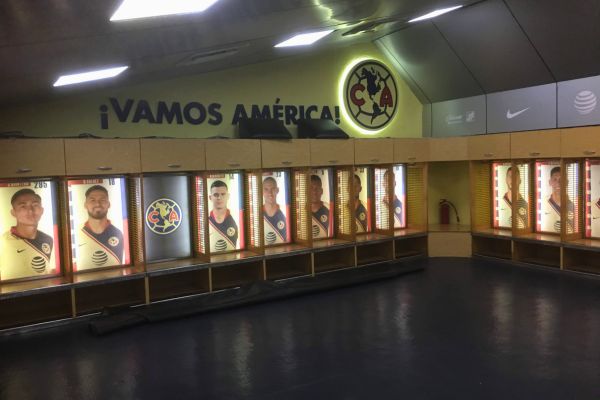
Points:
(285, 153)
(32, 158)
(535, 144)
(373, 151)
(332, 152)
(102, 156)
(227, 154)
(580, 142)
(448, 149)
(411, 150)
(160, 155)
(489, 147)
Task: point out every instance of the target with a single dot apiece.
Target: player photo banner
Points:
(167, 229)
(29, 241)
(276, 207)
(226, 212)
(502, 200)
(362, 199)
(322, 202)
(399, 203)
(99, 223)
(548, 181)
(592, 198)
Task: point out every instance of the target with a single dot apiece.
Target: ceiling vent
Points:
(209, 56)
(366, 27)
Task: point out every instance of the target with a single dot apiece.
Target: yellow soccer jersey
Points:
(99, 250)
(321, 223)
(505, 213)
(551, 217)
(23, 258)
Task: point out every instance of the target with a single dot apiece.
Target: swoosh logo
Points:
(510, 115)
(20, 251)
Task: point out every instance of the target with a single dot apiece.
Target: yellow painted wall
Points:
(302, 80)
(450, 181)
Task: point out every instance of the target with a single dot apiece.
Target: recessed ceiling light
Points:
(304, 39)
(132, 9)
(435, 13)
(89, 76)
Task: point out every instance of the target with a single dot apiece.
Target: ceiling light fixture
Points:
(89, 76)
(133, 9)
(304, 39)
(435, 13)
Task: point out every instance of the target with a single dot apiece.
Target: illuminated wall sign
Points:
(370, 95)
(196, 113)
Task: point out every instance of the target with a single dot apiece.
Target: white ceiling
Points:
(42, 39)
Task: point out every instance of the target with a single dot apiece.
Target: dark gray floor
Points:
(462, 329)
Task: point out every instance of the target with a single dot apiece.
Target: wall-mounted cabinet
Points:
(170, 155)
(535, 144)
(285, 153)
(32, 157)
(331, 152)
(411, 150)
(228, 154)
(489, 147)
(580, 142)
(102, 156)
(373, 151)
(448, 149)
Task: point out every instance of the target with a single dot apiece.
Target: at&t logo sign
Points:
(370, 95)
(163, 216)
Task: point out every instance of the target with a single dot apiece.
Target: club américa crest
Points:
(163, 216)
(371, 95)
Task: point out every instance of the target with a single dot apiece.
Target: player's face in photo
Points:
(509, 179)
(555, 182)
(97, 204)
(357, 186)
(27, 210)
(219, 197)
(316, 191)
(270, 191)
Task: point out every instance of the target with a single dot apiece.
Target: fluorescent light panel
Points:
(304, 39)
(133, 9)
(435, 13)
(89, 76)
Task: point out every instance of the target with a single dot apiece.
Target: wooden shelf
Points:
(547, 238)
(492, 232)
(286, 250)
(408, 232)
(96, 297)
(332, 259)
(233, 258)
(369, 238)
(237, 275)
(288, 267)
(179, 284)
(112, 274)
(490, 246)
(539, 253)
(320, 245)
(375, 252)
(168, 267)
(38, 286)
(41, 307)
(410, 247)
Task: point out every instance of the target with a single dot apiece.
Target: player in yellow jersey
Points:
(24, 250)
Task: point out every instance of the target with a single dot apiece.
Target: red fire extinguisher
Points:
(445, 212)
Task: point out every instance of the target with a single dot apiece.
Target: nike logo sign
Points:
(20, 251)
(510, 115)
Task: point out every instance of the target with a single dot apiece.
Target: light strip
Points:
(304, 39)
(133, 9)
(435, 13)
(89, 76)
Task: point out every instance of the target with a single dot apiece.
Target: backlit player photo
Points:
(99, 223)
(226, 212)
(592, 198)
(276, 207)
(321, 203)
(548, 184)
(502, 180)
(29, 245)
(362, 199)
(399, 202)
